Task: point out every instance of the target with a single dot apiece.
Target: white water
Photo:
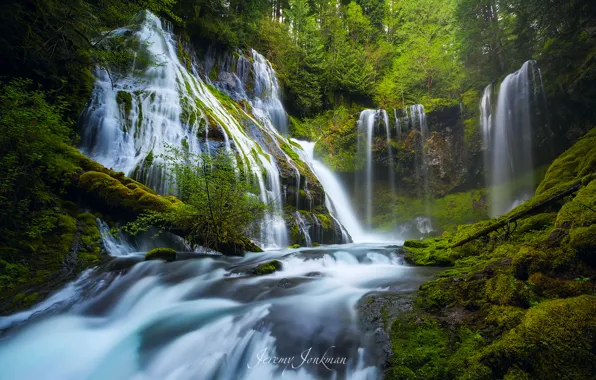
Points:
(170, 106)
(207, 319)
(507, 133)
(366, 129)
(340, 203)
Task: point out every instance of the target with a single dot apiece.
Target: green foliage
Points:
(33, 132)
(218, 205)
(167, 254)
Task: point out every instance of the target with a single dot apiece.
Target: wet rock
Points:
(376, 313)
(267, 268)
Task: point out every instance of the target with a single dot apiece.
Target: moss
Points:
(167, 254)
(429, 252)
(294, 246)
(575, 163)
(555, 339)
(124, 100)
(267, 268)
(581, 211)
(115, 194)
(527, 295)
(424, 350)
(290, 152)
(583, 239)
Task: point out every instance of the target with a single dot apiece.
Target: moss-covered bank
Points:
(512, 306)
(68, 241)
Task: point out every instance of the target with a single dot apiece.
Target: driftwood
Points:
(507, 223)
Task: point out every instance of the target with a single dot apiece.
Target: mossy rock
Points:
(267, 268)
(555, 340)
(429, 252)
(575, 163)
(167, 254)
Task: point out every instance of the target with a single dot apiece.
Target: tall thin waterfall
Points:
(507, 132)
(366, 127)
(390, 157)
(129, 123)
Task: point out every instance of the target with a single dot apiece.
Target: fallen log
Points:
(506, 222)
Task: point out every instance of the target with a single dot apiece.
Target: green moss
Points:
(267, 268)
(167, 254)
(124, 100)
(115, 194)
(529, 295)
(583, 239)
(581, 211)
(290, 152)
(575, 163)
(429, 252)
(554, 340)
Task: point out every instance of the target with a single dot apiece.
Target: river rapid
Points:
(208, 317)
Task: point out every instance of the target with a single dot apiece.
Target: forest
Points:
(174, 172)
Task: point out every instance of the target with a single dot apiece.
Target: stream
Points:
(209, 318)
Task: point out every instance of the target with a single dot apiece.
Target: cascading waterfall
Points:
(337, 199)
(128, 124)
(507, 132)
(268, 93)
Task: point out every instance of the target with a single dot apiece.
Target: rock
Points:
(267, 268)
(167, 254)
(376, 313)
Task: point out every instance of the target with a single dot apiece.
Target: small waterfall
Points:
(304, 228)
(337, 200)
(114, 245)
(129, 123)
(507, 132)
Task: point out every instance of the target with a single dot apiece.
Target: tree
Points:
(220, 205)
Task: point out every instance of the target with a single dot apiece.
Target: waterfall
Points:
(304, 228)
(268, 93)
(418, 120)
(413, 118)
(389, 156)
(507, 134)
(128, 124)
(366, 127)
(339, 203)
(114, 245)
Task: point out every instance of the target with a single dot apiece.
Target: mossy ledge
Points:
(521, 306)
(31, 268)
(167, 254)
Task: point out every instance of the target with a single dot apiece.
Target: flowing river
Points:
(209, 318)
